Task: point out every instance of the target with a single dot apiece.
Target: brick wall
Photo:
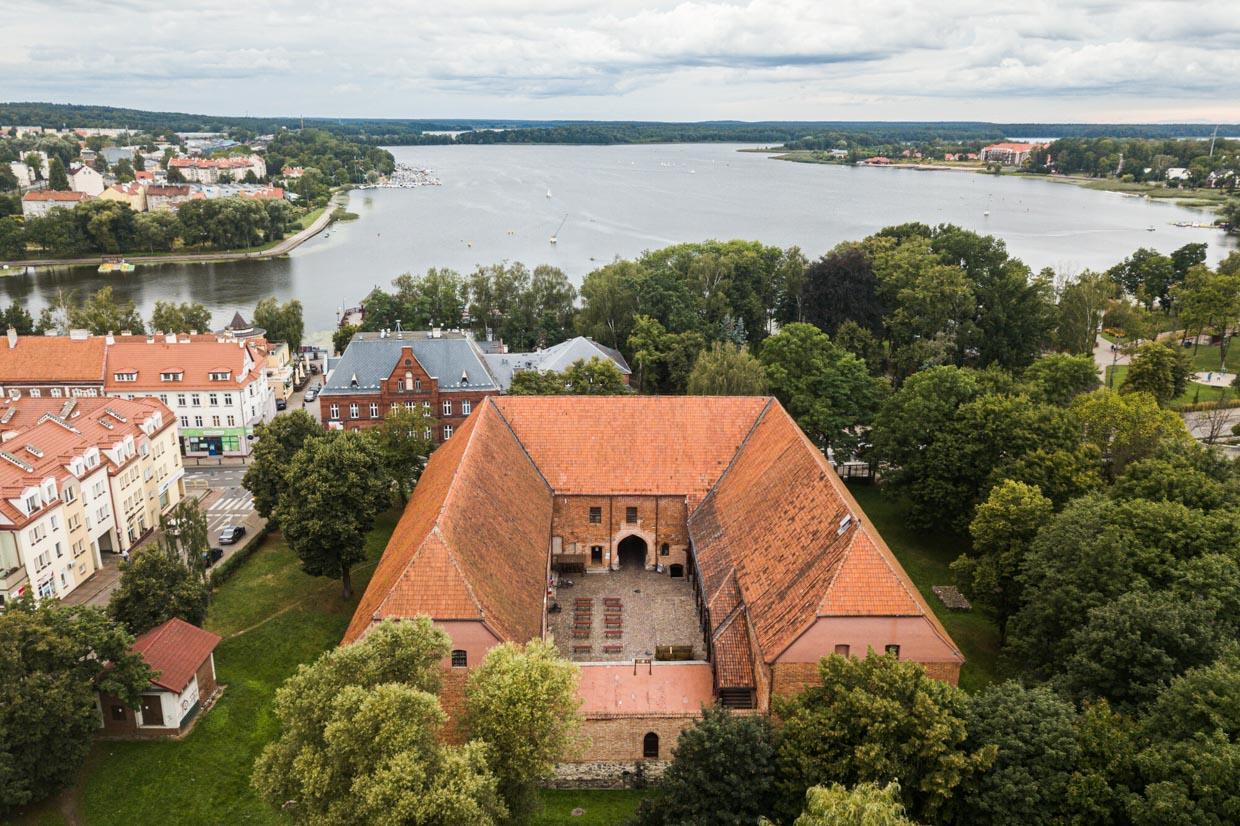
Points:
(619, 739)
(452, 699)
(788, 679)
(659, 520)
(385, 401)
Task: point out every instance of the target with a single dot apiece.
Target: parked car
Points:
(314, 368)
(212, 556)
(230, 534)
(312, 394)
(281, 404)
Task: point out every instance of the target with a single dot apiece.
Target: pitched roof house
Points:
(737, 552)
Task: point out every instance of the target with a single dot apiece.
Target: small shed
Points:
(183, 659)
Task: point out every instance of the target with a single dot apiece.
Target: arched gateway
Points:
(631, 552)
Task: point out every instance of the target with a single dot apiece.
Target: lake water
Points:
(619, 200)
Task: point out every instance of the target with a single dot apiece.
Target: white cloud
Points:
(694, 59)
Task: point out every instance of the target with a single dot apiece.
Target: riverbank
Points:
(312, 222)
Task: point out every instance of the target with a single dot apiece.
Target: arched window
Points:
(459, 658)
(650, 745)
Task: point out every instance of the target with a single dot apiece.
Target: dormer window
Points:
(171, 375)
(32, 503)
(128, 376)
(220, 375)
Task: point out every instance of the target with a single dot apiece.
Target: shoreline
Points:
(281, 247)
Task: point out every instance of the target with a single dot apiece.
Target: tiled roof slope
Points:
(196, 356)
(774, 521)
(48, 359)
(631, 444)
(175, 650)
(473, 541)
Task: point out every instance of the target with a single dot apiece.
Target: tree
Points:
(597, 377)
(825, 388)
(839, 287)
(1058, 378)
(1160, 369)
(169, 317)
(1127, 427)
(53, 658)
(283, 322)
(723, 772)
(1033, 732)
(334, 486)
(174, 175)
(876, 720)
(727, 369)
(1204, 699)
(1129, 648)
(522, 703)
(866, 804)
(155, 587)
(359, 739)
(276, 443)
(56, 177)
(342, 336)
(1082, 305)
(184, 535)
(1146, 275)
(1003, 528)
(16, 317)
(403, 443)
(123, 170)
(101, 313)
(1211, 301)
(155, 231)
(12, 236)
(609, 303)
(35, 162)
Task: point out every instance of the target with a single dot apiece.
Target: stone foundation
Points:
(607, 775)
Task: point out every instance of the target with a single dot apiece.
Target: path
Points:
(1107, 354)
(282, 248)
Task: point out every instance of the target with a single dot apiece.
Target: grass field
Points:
(600, 808)
(1194, 394)
(926, 556)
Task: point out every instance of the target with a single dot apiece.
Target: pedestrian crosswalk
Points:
(230, 509)
(232, 504)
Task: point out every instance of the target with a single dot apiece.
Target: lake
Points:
(610, 201)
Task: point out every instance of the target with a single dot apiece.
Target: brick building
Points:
(442, 372)
(715, 556)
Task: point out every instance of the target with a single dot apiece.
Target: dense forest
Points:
(397, 131)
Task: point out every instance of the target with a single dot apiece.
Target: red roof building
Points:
(182, 657)
(717, 557)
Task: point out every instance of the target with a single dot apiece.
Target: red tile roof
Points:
(54, 195)
(195, 356)
(52, 359)
(176, 650)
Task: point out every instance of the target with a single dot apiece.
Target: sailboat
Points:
(548, 193)
(555, 236)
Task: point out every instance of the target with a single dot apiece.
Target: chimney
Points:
(12, 337)
(170, 338)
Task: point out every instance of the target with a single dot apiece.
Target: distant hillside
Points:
(483, 130)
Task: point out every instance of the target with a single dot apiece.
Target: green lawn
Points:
(272, 617)
(925, 555)
(601, 807)
(1194, 394)
(1207, 356)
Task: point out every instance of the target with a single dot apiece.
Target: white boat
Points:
(555, 236)
(986, 214)
(548, 193)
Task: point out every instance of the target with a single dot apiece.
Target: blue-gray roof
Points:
(453, 360)
(557, 358)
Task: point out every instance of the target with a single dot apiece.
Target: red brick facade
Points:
(408, 385)
(789, 679)
(592, 528)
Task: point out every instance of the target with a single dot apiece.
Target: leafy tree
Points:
(101, 313)
(839, 287)
(155, 231)
(53, 658)
(1205, 699)
(16, 317)
(664, 360)
(57, 178)
(866, 804)
(1033, 731)
(1058, 378)
(1174, 477)
(12, 237)
(1187, 257)
(276, 443)
(8, 181)
(1060, 474)
(1147, 275)
(184, 535)
(359, 738)
(825, 388)
(727, 369)
(1129, 648)
(169, 317)
(1082, 305)
(342, 336)
(1127, 427)
(174, 175)
(35, 163)
(123, 170)
(1211, 301)
(155, 587)
(1188, 782)
(1003, 528)
(723, 772)
(1162, 370)
(863, 344)
(334, 486)
(403, 443)
(597, 377)
(1100, 786)
(874, 720)
(522, 703)
(283, 322)
(609, 303)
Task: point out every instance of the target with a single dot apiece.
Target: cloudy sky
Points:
(1032, 60)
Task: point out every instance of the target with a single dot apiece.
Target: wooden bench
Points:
(583, 601)
(614, 622)
(581, 633)
(611, 600)
(612, 649)
(613, 633)
(582, 649)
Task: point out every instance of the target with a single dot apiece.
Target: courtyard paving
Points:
(654, 610)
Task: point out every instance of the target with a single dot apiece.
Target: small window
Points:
(118, 712)
(447, 408)
(596, 516)
(630, 515)
(353, 411)
(466, 407)
(447, 432)
(650, 746)
(664, 550)
(459, 658)
(596, 554)
(893, 650)
(676, 571)
(842, 649)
